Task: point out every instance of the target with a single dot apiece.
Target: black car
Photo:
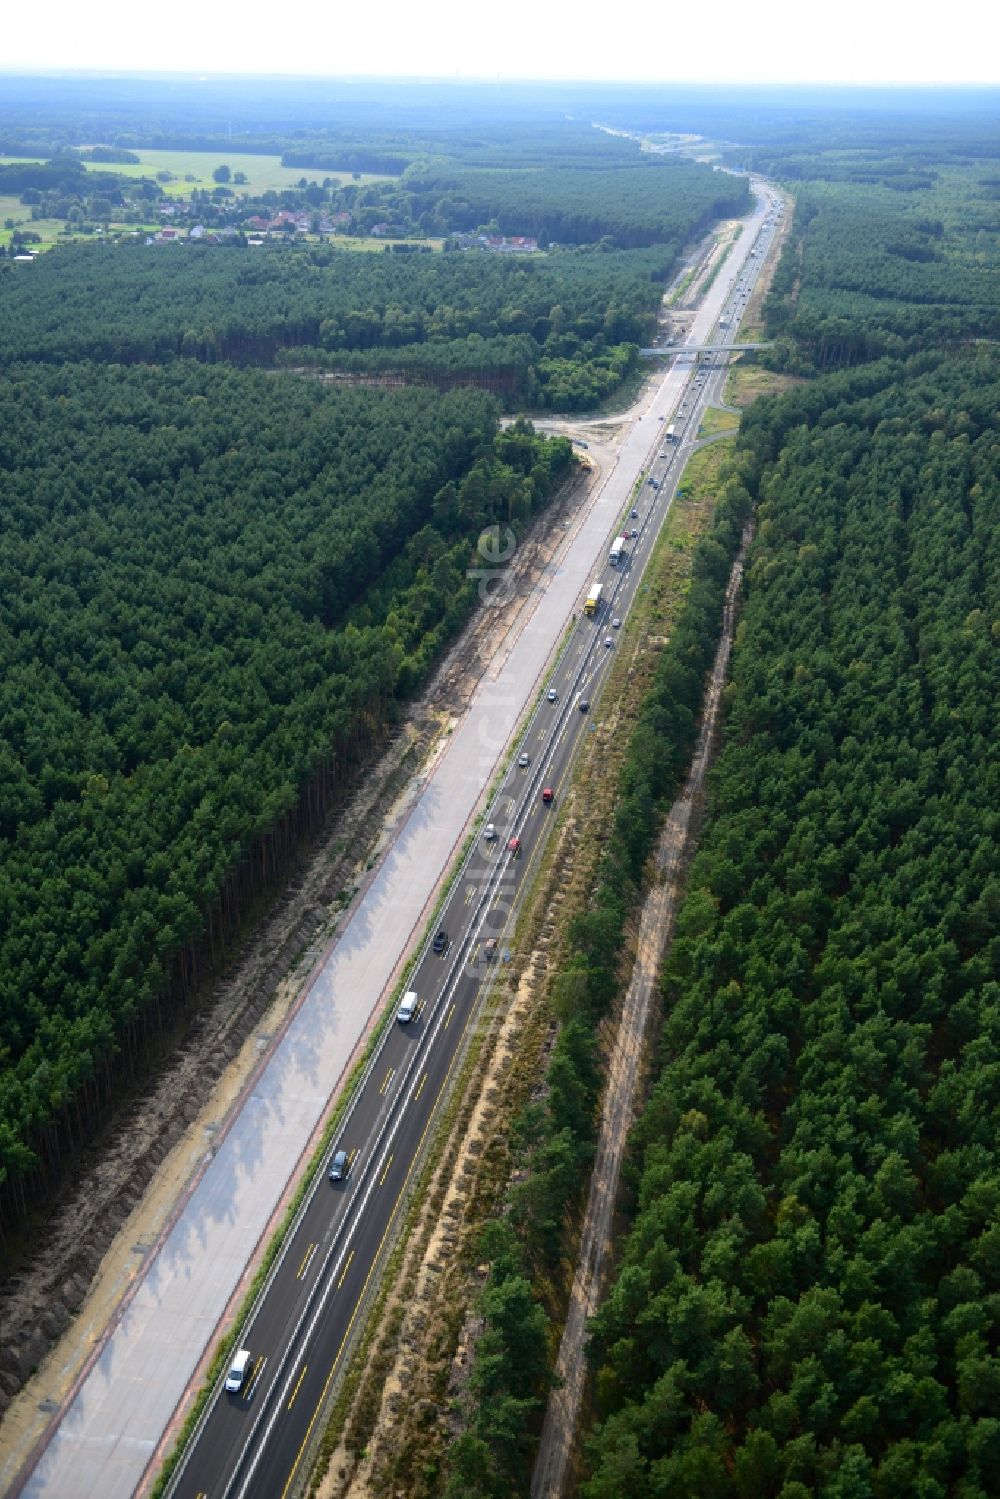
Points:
(339, 1166)
(441, 942)
(584, 705)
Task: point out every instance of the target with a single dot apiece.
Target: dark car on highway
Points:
(441, 942)
(339, 1166)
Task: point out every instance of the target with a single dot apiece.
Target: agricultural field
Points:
(193, 169)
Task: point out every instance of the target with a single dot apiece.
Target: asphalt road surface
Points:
(258, 1441)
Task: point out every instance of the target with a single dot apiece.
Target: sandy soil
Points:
(127, 1187)
(720, 249)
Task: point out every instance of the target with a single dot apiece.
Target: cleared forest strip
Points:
(655, 931)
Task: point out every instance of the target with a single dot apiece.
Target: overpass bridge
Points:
(672, 350)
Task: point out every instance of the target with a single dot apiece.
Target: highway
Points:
(259, 1441)
(103, 1443)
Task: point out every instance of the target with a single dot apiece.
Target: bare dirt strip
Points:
(656, 929)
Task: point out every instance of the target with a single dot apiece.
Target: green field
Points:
(359, 242)
(51, 231)
(263, 172)
(11, 207)
(716, 420)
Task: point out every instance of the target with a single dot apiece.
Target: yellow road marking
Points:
(452, 1010)
(305, 1262)
(258, 1371)
(347, 1266)
(420, 1089)
(385, 1173)
(470, 893)
(387, 1079)
(296, 1389)
(371, 1271)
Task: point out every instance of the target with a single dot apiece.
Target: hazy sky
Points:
(849, 41)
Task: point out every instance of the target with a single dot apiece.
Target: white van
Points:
(238, 1371)
(408, 1007)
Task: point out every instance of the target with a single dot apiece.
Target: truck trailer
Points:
(593, 599)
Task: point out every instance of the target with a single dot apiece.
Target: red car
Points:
(547, 795)
(514, 846)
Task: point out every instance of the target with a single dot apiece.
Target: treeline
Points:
(559, 320)
(505, 136)
(503, 366)
(513, 368)
(807, 1301)
(215, 589)
(870, 271)
(656, 201)
(348, 158)
(63, 175)
(555, 1137)
(499, 124)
